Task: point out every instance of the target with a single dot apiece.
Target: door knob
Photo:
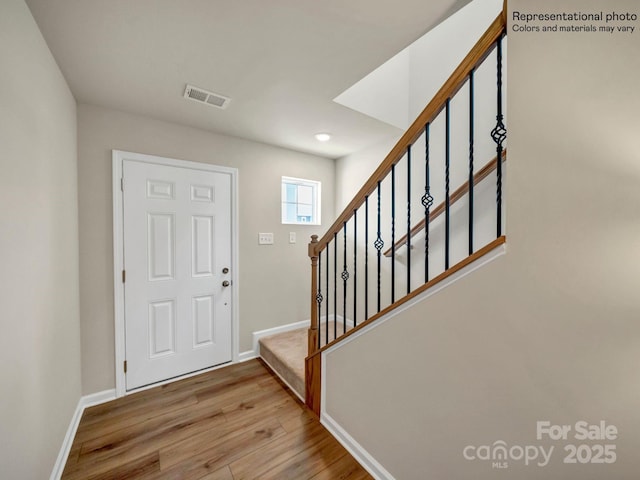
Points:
(226, 283)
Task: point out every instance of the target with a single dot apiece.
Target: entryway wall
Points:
(40, 341)
(273, 278)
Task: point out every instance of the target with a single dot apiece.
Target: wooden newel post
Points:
(313, 328)
(312, 363)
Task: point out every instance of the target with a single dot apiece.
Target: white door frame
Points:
(118, 251)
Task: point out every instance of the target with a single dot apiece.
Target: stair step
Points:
(285, 353)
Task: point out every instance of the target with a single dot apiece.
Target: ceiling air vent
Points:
(203, 96)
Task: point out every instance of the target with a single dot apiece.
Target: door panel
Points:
(203, 321)
(161, 246)
(177, 241)
(162, 328)
(202, 250)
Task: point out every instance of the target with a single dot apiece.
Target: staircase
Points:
(431, 208)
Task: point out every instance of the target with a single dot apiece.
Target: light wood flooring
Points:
(238, 422)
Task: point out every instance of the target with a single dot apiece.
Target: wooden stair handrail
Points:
(505, 11)
(475, 57)
(453, 198)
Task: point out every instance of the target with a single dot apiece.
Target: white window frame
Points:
(317, 200)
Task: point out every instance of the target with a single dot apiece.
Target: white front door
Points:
(177, 258)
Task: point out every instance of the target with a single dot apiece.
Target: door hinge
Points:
(124, 276)
(125, 366)
(122, 184)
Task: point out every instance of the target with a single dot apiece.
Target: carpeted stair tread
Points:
(285, 353)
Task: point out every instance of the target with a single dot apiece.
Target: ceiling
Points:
(282, 62)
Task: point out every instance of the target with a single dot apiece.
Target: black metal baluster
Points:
(427, 202)
(326, 320)
(319, 295)
(345, 277)
(379, 244)
(447, 218)
(499, 133)
(393, 233)
(366, 257)
(408, 219)
(355, 266)
(471, 146)
(335, 286)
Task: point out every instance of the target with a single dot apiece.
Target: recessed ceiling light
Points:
(323, 137)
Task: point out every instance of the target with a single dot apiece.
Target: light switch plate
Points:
(265, 238)
(292, 237)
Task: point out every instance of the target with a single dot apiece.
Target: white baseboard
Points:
(63, 455)
(272, 331)
(375, 469)
(340, 320)
(248, 355)
(84, 402)
(98, 398)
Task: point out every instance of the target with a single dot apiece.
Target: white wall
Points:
(354, 170)
(40, 340)
(435, 56)
(274, 280)
(398, 90)
(384, 93)
(549, 331)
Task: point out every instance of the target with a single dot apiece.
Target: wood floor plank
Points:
(146, 436)
(308, 462)
(140, 412)
(169, 402)
(173, 392)
(265, 403)
(238, 422)
(190, 384)
(266, 458)
(223, 474)
(219, 452)
(245, 414)
(140, 469)
(149, 436)
(292, 420)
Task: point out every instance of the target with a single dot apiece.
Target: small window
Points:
(300, 201)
